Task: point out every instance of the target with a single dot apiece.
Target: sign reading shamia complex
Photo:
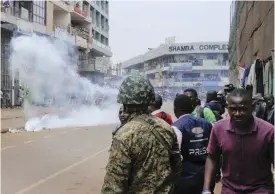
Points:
(201, 47)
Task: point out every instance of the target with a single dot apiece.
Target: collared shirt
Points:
(247, 157)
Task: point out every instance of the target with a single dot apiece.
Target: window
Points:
(6, 81)
(85, 7)
(225, 56)
(39, 12)
(98, 3)
(225, 73)
(82, 58)
(18, 5)
(190, 57)
(211, 56)
(107, 7)
(191, 75)
(92, 14)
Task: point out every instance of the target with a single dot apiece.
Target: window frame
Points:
(39, 12)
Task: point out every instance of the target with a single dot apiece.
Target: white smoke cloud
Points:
(47, 69)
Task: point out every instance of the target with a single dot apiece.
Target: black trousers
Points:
(193, 185)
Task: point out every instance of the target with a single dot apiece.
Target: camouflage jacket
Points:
(138, 163)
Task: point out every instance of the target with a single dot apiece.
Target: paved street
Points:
(58, 161)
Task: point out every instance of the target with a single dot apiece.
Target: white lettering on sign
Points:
(197, 152)
(180, 48)
(213, 47)
(207, 47)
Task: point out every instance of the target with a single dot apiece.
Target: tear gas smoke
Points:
(48, 72)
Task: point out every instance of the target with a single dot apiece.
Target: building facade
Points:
(251, 35)
(84, 22)
(177, 66)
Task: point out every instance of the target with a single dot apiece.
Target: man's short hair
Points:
(158, 101)
(183, 103)
(240, 92)
(211, 95)
(191, 90)
(198, 102)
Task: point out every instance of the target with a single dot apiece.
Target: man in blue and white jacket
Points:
(195, 137)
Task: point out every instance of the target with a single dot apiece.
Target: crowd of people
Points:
(151, 153)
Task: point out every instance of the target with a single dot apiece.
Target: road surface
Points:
(58, 161)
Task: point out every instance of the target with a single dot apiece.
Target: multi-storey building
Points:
(86, 22)
(177, 66)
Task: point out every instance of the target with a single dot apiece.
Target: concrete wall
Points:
(255, 34)
(49, 17)
(61, 19)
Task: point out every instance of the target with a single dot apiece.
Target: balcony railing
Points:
(82, 32)
(86, 65)
(82, 11)
(18, 12)
(101, 45)
(62, 26)
(77, 10)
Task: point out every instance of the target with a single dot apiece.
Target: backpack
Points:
(174, 152)
(216, 113)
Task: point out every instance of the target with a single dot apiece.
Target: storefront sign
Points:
(198, 47)
(213, 47)
(181, 48)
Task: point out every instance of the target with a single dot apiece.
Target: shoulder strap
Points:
(151, 127)
(116, 130)
(176, 165)
(201, 114)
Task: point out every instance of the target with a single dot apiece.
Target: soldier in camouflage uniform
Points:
(144, 155)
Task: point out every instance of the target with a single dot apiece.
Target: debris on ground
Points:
(19, 130)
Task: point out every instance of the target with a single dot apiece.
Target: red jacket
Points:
(163, 115)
